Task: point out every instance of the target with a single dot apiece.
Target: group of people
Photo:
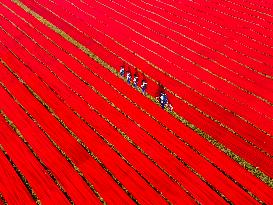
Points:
(162, 98)
(135, 79)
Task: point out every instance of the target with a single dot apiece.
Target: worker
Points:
(122, 71)
(144, 86)
(135, 80)
(163, 99)
(128, 77)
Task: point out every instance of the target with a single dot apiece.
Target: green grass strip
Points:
(249, 167)
(139, 107)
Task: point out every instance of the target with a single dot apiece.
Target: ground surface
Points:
(72, 131)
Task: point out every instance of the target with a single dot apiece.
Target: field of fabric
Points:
(73, 131)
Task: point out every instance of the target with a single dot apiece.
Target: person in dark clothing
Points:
(163, 100)
(122, 71)
(135, 80)
(128, 77)
(144, 86)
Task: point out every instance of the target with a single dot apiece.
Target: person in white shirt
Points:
(144, 86)
(128, 77)
(135, 80)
